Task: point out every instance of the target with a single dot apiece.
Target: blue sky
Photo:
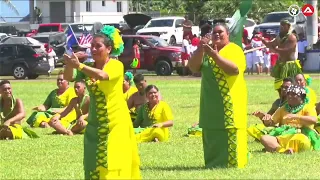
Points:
(21, 5)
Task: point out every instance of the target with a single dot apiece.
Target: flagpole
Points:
(74, 34)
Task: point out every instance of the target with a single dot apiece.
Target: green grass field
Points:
(60, 157)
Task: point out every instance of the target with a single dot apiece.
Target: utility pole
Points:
(31, 11)
(312, 22)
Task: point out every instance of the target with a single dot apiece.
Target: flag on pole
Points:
(71, 40)
(237, 21)
(86, 38)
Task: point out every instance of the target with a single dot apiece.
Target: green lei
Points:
(295, 109)
(2, 116)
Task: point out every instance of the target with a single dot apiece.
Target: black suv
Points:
(23, 61)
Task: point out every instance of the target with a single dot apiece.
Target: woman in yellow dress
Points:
(110, 147)
(296, 121)
(154, 118)
(81, 105)
(12, 114)
(56, 102)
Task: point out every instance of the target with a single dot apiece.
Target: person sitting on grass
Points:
(81, 105)
(154, 118)
(128, 88)
(128, 91)
(139, 98)
(256, 130)
(12, 114)
(305, 81)
(296, 120)
(56, 101)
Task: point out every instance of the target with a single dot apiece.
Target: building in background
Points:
(69, 11)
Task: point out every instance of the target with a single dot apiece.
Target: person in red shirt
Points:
(245, 39)
(136, 53)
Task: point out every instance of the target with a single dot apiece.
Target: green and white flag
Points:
(237, 21)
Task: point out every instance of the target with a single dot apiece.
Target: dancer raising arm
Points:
(110, 147)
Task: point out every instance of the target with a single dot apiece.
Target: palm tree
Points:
(11, 6)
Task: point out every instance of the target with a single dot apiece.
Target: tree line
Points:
(211, 9)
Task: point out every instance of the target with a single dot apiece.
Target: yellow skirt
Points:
(296, 142)
(255, 131)
(65, 121)
(18, 132)
(149, 134)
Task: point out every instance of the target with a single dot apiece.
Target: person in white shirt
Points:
(185, 52)
(249, 58)
(51, 58)
(267, 60)
(302, 45)
(258, 54)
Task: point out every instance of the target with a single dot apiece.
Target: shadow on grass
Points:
(174, 168)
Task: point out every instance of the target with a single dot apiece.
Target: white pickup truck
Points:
(167, 28)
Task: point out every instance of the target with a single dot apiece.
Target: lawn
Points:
(60, 157)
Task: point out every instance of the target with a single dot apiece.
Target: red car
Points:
(156, 54)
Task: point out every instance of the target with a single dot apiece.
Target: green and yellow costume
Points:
(110, 148)
(284, 69)
(257, 130)
(54, 101)
(223, 111)
(290, 133)
(17, 130)
(194, 131)
(146, 118)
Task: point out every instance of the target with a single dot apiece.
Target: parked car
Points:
(168, 28)
(21, 61)
(2, 36)
(156, 54)
(271, 22)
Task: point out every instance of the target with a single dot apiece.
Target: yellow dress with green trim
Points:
(146, 118)
(17, 130)
(110, 147)
(298, 142)
(54, 101)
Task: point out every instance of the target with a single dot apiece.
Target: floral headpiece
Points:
(130, 76)
(298, 90)
(114, 35)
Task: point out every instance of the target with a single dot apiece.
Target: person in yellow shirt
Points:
(305, 81)
(128, 90)
(154, 118)
(257, 130)
(128, 86)
(56, 102)
(110, 147)
(81, 105)
(296, 121)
